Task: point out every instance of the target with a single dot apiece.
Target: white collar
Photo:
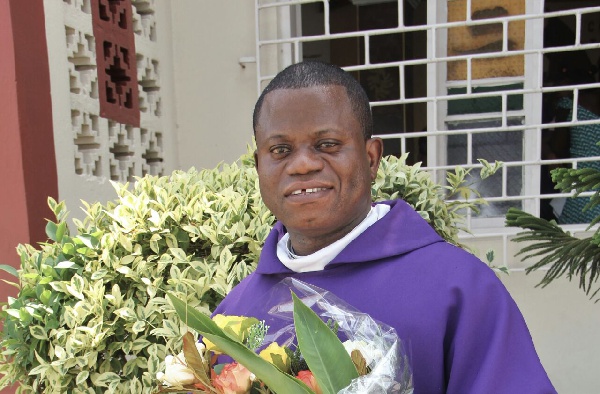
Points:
(319, 259)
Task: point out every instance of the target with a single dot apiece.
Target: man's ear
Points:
(255, 160)
(374, 148)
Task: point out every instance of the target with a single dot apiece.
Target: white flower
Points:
(177, 373)
(369, 351)
(201, 348)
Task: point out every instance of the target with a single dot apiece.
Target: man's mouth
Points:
(307, 191)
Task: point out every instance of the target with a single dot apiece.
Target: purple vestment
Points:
(462, 330)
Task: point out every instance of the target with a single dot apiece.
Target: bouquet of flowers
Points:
(311, 359)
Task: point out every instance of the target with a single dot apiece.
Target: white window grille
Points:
(439, 90)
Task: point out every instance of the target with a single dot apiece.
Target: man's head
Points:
(307, 74)
(315, 165)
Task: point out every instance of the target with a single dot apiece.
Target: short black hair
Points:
(312, 73)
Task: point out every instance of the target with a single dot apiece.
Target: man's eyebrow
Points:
(320, 133)
(276, 137)
(284, 137)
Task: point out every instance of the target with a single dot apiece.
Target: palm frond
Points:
(557, 249)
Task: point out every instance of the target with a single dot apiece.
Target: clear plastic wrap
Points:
(383, 351)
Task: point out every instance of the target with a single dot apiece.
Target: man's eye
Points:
(278, 150)
(327, 145)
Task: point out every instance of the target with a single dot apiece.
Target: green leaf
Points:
(99, 274)
(324, 353)
(89, 240)
(14, 313)
(275, 379)
(153, 364)
(76, 287)
(138, 326)
(25, 316)
(124, 270)
(82, 377)
(69, 249)
(66, 264)
(178, 253)
(126, 313)
(40, 369)
(38, 332)
(125, 242)
(139, 344)
(154, 243)
(127, 260)
(51, 230)
(61, 229)
(105, 379)
(45, 296)
(10, 269)
(129, 367)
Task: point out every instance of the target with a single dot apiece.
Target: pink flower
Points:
(233, 379)
(308, 379)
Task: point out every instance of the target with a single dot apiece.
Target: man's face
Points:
(314, 166)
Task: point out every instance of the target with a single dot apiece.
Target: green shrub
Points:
(91, 314)
(555, 250)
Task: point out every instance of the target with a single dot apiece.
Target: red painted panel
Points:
(28, 170)
(116, 61)
(14, 224)
(35, 112)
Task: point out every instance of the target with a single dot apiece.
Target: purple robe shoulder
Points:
(462, 330)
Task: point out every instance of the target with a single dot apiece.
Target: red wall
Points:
(28, 169)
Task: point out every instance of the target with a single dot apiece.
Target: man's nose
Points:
(304, 161)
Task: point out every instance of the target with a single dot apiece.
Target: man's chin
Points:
(302, 227)
(321, 228)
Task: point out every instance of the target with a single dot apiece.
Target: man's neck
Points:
(305, 244)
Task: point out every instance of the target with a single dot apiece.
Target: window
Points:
(451, 82)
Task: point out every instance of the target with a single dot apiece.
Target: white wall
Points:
(69, 35)
(214, 94)
(206, 96)
(72, 188)
(562, 319)
(564, 325)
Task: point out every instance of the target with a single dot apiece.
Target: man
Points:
(316, 160)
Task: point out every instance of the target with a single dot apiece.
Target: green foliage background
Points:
(91, 315)
(551, 247)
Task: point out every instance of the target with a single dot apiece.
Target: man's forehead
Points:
(329, 95)
(326, 100)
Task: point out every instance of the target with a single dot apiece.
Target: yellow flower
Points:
(277, 356)
(211, 346)
(234, 326)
